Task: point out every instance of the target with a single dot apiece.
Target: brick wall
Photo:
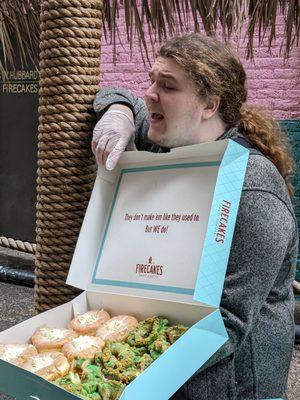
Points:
(273, 83)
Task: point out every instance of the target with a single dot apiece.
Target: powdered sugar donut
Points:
(50, 339)
(49, 365)
(83, 347)
(17, 354)
(89, 322)
(117, 328)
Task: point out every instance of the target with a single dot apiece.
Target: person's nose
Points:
(151, 93)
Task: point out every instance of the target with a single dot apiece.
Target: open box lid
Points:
(161, 225)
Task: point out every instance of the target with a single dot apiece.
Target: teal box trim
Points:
(24, 385)
(213, 263)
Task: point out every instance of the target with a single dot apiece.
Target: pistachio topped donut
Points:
(147, 331)
(122, 362)
(89, 322)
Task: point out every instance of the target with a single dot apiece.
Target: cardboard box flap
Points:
(218, 240)
(145, 227)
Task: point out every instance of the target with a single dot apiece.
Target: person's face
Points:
(175, 110)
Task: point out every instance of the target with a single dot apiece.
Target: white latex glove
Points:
(112, 134)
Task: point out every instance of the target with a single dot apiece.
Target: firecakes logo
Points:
(149, 268)
(223, 220)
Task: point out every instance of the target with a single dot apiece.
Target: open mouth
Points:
(156, 117)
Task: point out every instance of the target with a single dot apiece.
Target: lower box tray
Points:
(174, 367)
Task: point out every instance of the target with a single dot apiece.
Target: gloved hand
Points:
(112, 134)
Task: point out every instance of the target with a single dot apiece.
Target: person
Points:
(198, 93)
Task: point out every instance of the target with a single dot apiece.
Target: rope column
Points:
(69, 77)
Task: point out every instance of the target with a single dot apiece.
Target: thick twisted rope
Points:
(19, 245)
(69, 76)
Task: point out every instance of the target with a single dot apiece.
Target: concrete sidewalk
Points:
(17, 304)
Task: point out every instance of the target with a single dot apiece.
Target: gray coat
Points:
(257, 302)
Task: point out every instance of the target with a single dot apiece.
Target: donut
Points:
(174, 332)
(83, 346)
(110, 389)
(158, 347)
(91, 386)
(17, 354)
(117, 328)
(49, 366)
(147, 332)
(52, 339)
(121, 362)
(117, 355)
(118, 362)
(89, 322)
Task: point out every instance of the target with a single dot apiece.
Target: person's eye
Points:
(167, 86)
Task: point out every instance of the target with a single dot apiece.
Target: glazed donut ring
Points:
(83, 347)
(117, 328)
(52, 339)
(49, 366)
(89, 322)
(17, 354)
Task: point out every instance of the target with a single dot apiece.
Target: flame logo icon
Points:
(150, 260)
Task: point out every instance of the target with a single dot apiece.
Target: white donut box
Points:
(155, 240)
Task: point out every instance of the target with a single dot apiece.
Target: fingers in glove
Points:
(94, 145)
(100, 149)
(97, 133)
(115, 154)
(112, 160)
(94, 142)
(105, 154)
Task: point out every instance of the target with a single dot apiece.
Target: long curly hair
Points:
(215, 69)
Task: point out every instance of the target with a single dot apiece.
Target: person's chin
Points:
(156, 136)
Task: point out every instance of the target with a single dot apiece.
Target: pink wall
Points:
(272, 83)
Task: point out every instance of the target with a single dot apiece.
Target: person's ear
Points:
(211, 106)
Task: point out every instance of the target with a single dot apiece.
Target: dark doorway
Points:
(18, 152)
